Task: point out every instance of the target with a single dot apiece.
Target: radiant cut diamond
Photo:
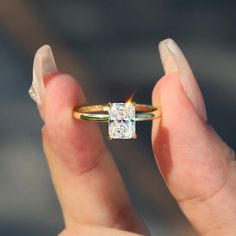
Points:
(121, 124)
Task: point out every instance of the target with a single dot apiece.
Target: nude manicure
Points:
(173, 60)
(44, 64)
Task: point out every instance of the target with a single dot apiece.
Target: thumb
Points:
(198, 167)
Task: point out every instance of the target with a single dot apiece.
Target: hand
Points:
(197, 166)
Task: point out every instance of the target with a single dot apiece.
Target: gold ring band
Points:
(121, 117)
(90, 112)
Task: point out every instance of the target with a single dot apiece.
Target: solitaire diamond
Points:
(121, 123)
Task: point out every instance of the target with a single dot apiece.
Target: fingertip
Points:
(183, 144)
(63, 92)
(66, 136)
(175, 105)
(180, 125)
(50, 76)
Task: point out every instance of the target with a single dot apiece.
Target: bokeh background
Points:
(111, 47)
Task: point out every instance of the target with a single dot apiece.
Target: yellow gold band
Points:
(91, 113)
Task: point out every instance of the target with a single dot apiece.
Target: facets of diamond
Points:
(121, 123)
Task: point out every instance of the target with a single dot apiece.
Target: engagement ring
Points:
(121, 117)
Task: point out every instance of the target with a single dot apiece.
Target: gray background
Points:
(111, 47)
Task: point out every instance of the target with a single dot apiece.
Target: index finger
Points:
(87, 181)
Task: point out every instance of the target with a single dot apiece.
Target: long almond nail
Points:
(43, 65)
(173, 60)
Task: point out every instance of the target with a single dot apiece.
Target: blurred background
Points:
(111, 47)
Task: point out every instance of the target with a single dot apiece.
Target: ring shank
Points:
(91, 112)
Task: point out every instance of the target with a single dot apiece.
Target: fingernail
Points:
(44, 64)
(173, 60)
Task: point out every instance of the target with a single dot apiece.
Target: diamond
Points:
(121, 124)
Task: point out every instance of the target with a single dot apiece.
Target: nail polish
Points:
(43, 65)
(173, 60)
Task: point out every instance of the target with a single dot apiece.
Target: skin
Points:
(198, 167)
